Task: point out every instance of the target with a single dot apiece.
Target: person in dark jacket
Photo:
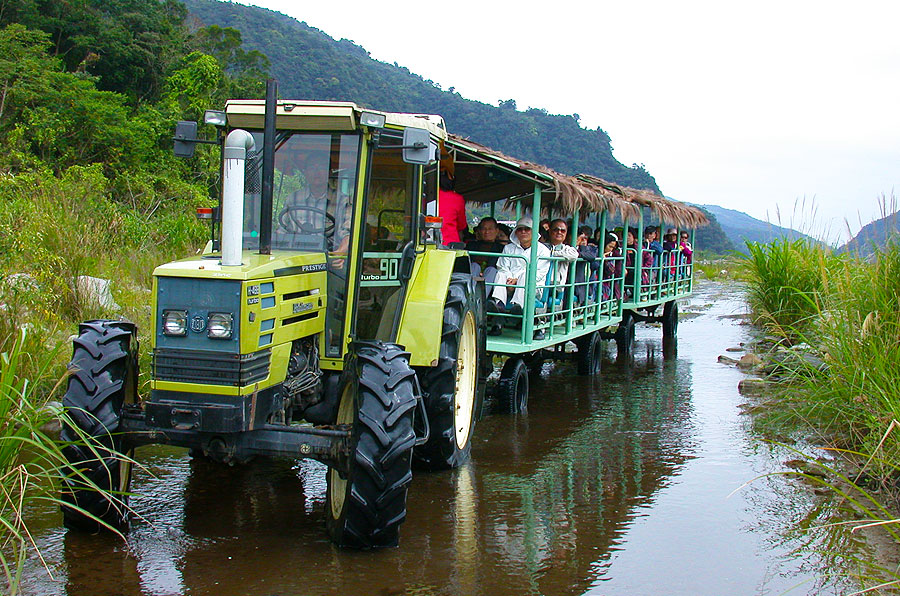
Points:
(587, 270)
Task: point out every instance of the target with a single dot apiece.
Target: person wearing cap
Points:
(513, 272)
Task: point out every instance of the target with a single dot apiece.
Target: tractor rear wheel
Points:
(103, 378)
(512, 390)
(588, 356)
(365, 507)
(452, 388)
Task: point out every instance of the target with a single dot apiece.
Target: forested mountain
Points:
(741, 228)
(874, 235)
(311, 65)
(712, 238)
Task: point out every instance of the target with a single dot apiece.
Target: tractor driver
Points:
(318, 206)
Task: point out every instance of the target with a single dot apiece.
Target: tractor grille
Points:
(212, 368)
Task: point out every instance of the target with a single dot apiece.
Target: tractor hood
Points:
(255, 266)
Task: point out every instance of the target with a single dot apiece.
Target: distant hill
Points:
(712, 238)
(311, 65)
(874, 235)
(741, 228)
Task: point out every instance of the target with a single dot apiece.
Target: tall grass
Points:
(786, 279)
(29, 457)
(846, 311)
(55, 228)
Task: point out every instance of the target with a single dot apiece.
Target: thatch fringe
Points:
(588, 194)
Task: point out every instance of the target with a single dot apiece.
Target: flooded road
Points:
(631, 482)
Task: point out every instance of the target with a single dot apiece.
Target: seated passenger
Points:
(585, 271)
(686, 256)
(650, 254)
(504, 233)
(514, 271)
(612, 267)
(485, 241)
(559, 231)
(630, 252)
(670, 246)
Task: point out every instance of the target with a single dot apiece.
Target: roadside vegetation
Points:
(832, 325)
(91, 197)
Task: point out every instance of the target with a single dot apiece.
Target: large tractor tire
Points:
(513, 387)
(589, 355)
(670, 319)
(452, 389)
(625, 333)
(365, 507)
(103, 379)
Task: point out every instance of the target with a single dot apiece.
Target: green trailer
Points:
(640, 284)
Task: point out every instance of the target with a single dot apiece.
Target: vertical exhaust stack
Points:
(268, 169)
(237, 143)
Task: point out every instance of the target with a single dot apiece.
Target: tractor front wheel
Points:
(103, 378)
(365, 507)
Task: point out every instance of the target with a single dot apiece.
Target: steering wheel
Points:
(293, 223)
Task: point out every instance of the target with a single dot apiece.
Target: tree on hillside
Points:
(127, 44)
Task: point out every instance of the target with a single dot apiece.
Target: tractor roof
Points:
(323, 115)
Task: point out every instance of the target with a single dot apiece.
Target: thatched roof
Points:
(665, 209)
(485, 175)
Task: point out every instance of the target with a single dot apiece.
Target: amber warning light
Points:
(204, 213)
(433, 223)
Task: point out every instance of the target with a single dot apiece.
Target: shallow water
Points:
(632, 482)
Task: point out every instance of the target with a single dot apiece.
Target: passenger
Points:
(504, 232)
(650, 254)
(485, 241)
(612, 267)
(585, 271)
(630, 252)
(452, 209)
(686, 254)
(559, 231)
(514, 272)
(670, 246)
(545, 231)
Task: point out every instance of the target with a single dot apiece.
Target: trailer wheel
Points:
(625, 333)
(452, 387)
(365, 507)
(670, 319)
(588, 355)
(512, 390)
(103, 378)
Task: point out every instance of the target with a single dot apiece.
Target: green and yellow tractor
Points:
(323, 320)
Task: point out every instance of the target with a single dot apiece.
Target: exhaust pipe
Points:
(237, 144)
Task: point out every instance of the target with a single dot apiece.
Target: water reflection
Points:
(589, 492)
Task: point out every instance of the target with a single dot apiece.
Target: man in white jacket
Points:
(514, 271)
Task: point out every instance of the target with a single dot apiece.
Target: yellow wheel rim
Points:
(466, 365)
(337, 488)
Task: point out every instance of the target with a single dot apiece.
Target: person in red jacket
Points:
(452, 209)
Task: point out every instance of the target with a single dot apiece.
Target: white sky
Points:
(752, 106)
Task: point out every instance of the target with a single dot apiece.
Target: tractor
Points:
(324, 319)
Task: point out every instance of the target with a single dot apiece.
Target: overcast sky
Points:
(764, 107)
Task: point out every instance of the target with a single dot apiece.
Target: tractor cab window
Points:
(312, 196)
(389, 227)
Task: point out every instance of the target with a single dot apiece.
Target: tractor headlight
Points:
(174, 323)
(220, 325)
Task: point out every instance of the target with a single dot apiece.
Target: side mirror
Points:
(418, 148)
(185, 138)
